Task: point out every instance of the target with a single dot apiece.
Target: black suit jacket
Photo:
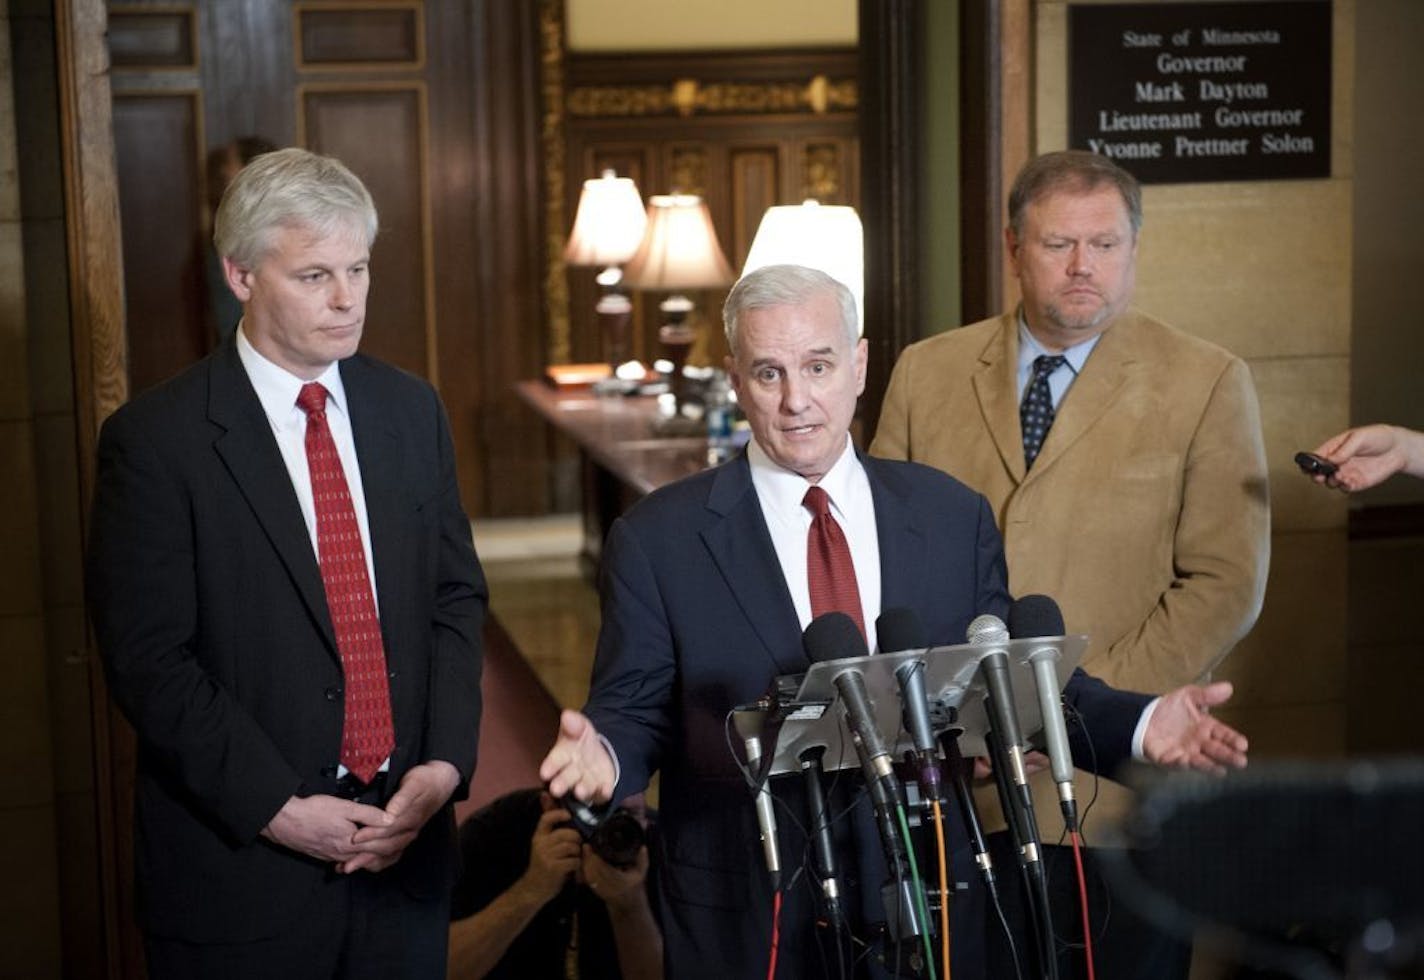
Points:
(212, 621)
(697, 618)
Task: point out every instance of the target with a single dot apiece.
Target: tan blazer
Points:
(1146, 513)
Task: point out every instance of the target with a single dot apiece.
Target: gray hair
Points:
(1077, 172)
(787, 285)
(289, 188)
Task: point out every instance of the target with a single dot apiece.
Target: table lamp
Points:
(608, 229)
(679, 252)
(827, 237)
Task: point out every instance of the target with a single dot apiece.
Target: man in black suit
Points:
(706, 589)
(288, 604)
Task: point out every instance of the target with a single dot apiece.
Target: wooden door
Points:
(430, 104)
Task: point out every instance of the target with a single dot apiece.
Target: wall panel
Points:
(338, 120)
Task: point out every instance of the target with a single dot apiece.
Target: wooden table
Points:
(621, 457)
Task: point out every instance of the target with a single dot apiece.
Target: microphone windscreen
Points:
(1035, 615)
(900, 629)
(832, 636)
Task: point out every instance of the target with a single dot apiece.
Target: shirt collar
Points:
(782, 491)
(277, 387)
(1030, 348)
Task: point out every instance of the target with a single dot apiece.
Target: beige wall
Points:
(1387, 347)
(659, 25)
(1263, 268)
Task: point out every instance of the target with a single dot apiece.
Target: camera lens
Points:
(618, 839)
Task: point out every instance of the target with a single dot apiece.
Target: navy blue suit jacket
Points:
(697, 618)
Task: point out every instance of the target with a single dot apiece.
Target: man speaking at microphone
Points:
(706, 587)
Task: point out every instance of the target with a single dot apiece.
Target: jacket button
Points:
(333, 693)
(391, 673)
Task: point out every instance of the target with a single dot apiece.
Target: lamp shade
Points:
(821, 236)
(609, 224)
(679, 249)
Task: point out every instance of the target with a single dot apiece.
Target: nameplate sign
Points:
(1197, 92)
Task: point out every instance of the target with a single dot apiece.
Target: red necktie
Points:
(829, 570)
(367, 735)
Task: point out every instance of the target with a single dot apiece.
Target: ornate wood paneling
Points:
(367, 36)
(157, 143)
(338, 120)
(436, 107)
(744, 130)
(153, 38)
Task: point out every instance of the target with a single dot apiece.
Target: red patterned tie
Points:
(367, 736)
(829, 570)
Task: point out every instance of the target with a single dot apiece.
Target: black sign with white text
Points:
(1196, 92)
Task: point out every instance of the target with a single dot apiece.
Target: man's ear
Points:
(238, 278)
(1011, 248)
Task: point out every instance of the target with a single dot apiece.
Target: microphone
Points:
(834, 636)
(990, 631)
(1006, 747)
(749, 725)
(900, 629)
(825, 852)
(1038, 617)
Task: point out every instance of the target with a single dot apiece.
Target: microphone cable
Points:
(917, 883)
(775, 934)
(944, 887)
(1077, 840)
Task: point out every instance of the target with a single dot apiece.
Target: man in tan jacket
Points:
(1123, 460)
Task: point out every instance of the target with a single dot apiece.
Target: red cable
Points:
(775, 934)
(1083, 898)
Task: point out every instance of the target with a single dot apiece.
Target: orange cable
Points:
(943, 889)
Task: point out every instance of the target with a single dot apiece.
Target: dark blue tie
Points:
(1036, 412)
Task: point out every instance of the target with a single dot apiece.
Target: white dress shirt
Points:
(277, 390)
(780, 492)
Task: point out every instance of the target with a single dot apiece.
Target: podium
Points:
(953, 685)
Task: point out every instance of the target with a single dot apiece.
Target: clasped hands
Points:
(357, 836)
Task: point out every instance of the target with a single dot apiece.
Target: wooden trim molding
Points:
(551, 138)
(93, 243)
(689, 97)
(892, 181)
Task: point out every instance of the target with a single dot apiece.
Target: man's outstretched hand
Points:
(1182, 734)
(578, 763)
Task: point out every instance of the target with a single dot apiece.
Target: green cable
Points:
(919, 890)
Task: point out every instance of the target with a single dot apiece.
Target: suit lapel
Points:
(741, 547)
(1092, 394)
(249, 450)
(903, 549)
(379, 454)
(996, 387)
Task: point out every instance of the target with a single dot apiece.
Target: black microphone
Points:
(824, 848)
(1038, 617)
(990, 631)
(1006, 747)
(834, 636)
(749, 725)
(900, 629)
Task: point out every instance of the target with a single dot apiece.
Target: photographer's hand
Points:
(635, 931)
(478, 942)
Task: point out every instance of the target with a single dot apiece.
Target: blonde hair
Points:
(289, 188)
